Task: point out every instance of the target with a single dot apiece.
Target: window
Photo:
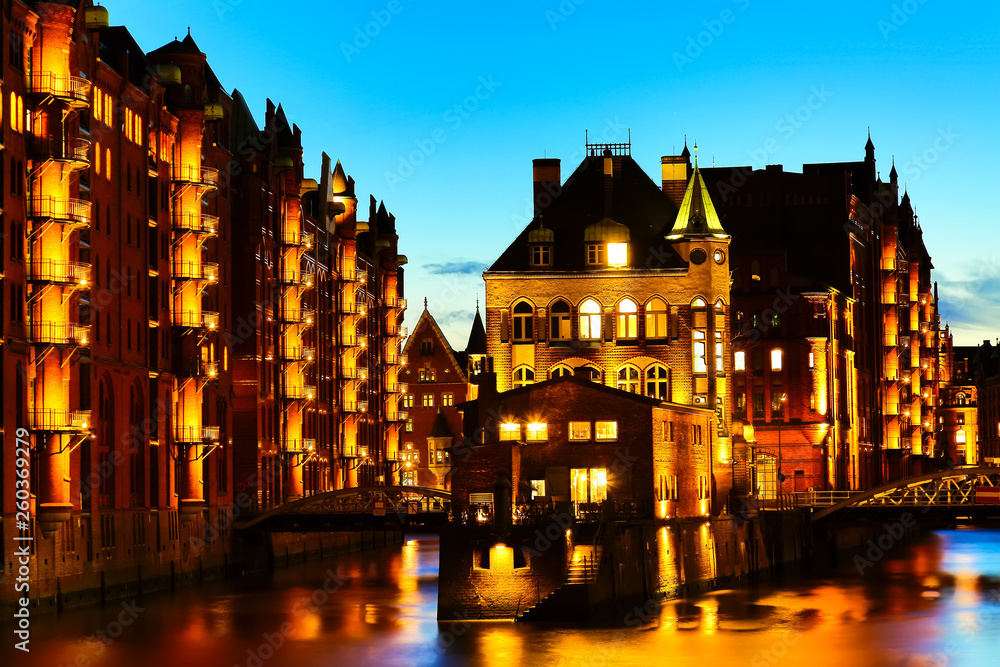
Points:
(523, 377)
(409, 425)
(812, 360)
(427, 375)
(776, 359)
(617, 254)
(447, 400)
(700, 354)
(740, 361)
(537, 488)
(777, 403)
(538, 432)
(590, 320)
(758, 404)
(541, 255)
(560, 328)
(628, 319)
(579, 431)
(658, 382)
(426, 348)
(560, 371)
(960, 437)
(510, 432)
(656, 319)
(606, 430)
(719, 360)
(628, 379)
(428, 400)
(523, 316)
(408, 401)
(960, 417)
(960, 399)
(595, 253)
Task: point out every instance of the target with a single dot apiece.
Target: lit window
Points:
(408, 401)
(658, 382)
(523, 377)
(538, 432)
(428, 400)
(409, 426)
(960, 437)
(595, 253)
(537, 488)
(617, 254)
(541, 255)
(607, 430)
(447, 400)
(656, 319)
(523, 316)
(579, 431)
(812, 360)
(628, 319)
(510, 432)
(628, 379)
(740, 361)
(559, 322)
(776, 359)
(700, 355)
(590, 320)
(718, 354)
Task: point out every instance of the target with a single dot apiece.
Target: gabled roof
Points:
(427, 321)
(697, 216)
(187, 45)
(638, 204)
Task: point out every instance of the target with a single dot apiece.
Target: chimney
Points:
(674, 169)
(609, 179)
(583, 372)
(547, 181)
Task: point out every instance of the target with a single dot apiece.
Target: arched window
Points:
(776, 359)
(560, 371)
(628, 378)
(658, 382)
(699, 323)
(628, 319)
(595, 373)
(523, 376)
(590, 320)
(656, 318)
(523, 318)
(560, 328)
(960, 399)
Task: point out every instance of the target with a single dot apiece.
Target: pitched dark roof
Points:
(477, 337)
(440, 429)
(187, 45)
(116, 40)
(637, 203)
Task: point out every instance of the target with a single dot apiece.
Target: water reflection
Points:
(932, 603)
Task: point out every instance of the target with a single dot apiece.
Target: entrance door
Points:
(767, 476)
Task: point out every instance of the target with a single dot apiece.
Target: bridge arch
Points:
(359, 500)
(982, 476)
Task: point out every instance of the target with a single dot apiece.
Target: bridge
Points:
(363, 508)
(959, 493)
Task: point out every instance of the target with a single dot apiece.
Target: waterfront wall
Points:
(639, 562)
(62, 578)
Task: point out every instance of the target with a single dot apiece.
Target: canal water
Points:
(934, 602)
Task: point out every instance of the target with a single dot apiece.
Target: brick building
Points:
(984, 366)
(129, 204)
(837, 340)
(572, 440)
(958, 415)
(622, 277)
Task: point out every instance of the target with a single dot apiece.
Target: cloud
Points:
(971, 304)
(463, 268)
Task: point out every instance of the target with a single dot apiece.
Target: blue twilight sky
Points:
(440, 108)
